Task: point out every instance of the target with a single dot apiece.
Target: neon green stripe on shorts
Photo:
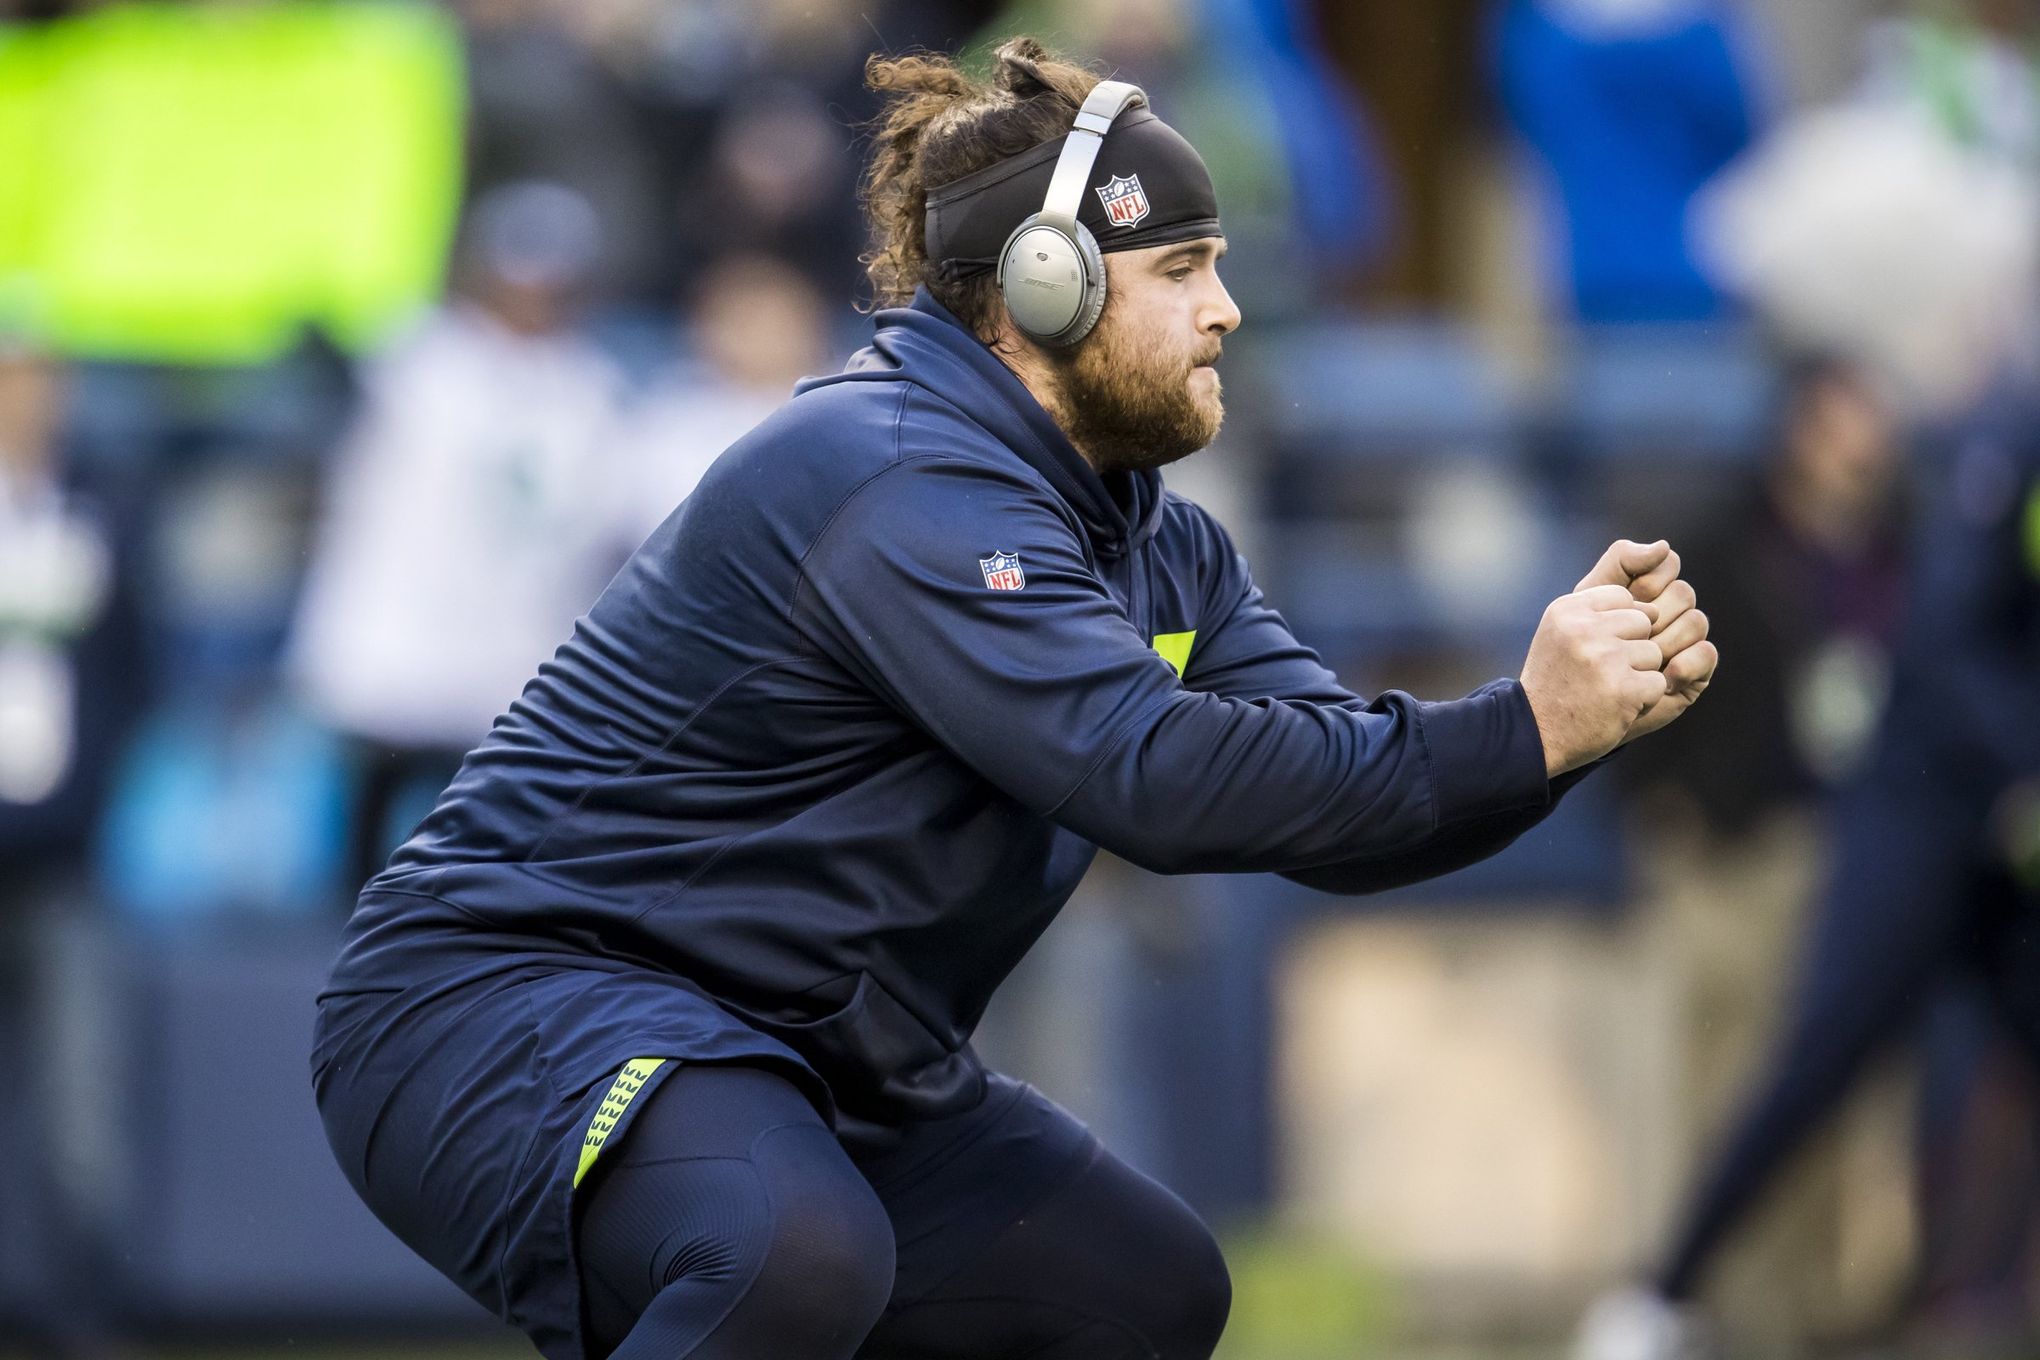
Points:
(622, 1092)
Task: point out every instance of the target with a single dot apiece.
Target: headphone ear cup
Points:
(1094, 289)
(1052, 282)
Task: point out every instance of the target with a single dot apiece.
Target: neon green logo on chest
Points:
(1174, 648)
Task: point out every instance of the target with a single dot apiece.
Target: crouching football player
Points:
(655, 1037)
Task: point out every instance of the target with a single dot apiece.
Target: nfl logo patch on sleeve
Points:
(1002, 571)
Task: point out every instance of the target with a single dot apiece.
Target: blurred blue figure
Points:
(234, 809)
(1342, 201)
(1631, 105)
(226, 799)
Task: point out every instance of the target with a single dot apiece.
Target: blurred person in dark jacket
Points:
(1922, 896)
(71, 687)
(68, 678)
(1806, 563)
(543, 106)
(701, 128)
(1806, 555)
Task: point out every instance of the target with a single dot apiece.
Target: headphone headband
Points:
(1106, 102)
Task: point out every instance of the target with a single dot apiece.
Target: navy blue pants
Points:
(731, 1224)
(1910, 911)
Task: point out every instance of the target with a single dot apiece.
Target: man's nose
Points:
(1222, 314)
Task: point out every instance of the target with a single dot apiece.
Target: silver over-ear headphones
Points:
(1051, 274)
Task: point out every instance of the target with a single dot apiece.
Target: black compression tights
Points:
(732, 1226)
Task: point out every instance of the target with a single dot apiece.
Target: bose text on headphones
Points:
(1051, 273)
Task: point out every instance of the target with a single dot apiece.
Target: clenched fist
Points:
(1595, 683)
(1650, 572)
(1591, 673)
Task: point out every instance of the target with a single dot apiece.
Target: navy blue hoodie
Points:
(839, 741)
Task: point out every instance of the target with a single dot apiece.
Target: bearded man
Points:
(655, 1037)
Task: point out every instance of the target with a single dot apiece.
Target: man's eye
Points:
(1180, 274)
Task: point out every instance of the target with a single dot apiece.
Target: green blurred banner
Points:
(196, 184)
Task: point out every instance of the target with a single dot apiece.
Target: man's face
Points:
(1139, 391)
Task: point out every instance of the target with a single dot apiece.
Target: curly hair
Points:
(938, 125)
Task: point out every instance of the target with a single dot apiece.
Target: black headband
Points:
(1148, 187)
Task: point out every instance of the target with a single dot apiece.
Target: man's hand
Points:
(1592, 672)
(1651, 573)
(1642, 569)
(1689, 659)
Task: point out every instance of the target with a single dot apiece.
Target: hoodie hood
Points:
(926, 344)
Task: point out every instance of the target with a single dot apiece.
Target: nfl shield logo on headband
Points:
(1125, 201)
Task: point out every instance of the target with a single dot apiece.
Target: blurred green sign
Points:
(195, 184)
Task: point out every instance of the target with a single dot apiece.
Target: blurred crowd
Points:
(293, 499)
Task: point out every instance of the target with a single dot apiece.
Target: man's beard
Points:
(1127, 404)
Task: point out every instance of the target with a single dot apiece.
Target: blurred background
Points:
(348, 346)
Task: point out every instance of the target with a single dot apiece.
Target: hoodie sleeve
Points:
(1039, 682)
(1246, 651)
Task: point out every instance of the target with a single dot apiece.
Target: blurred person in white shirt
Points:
(68, 676)
(757, 326)
(469, 515)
